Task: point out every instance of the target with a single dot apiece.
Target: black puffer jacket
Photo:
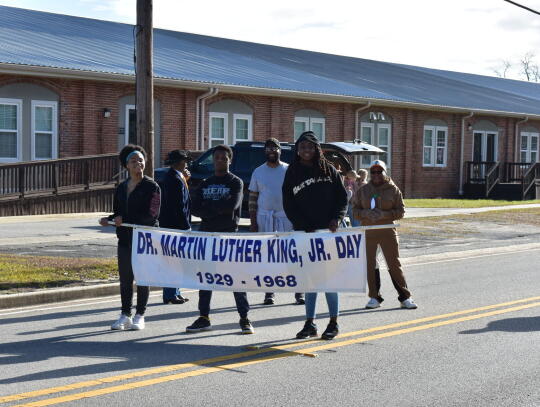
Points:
(140, 208)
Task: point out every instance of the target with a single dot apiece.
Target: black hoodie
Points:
(312, 199)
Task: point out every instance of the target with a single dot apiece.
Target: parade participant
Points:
(136, 201)
(265, 200)
(351, 186)
(218, 202)
(314, 198)
(378, 203)
(175, 207)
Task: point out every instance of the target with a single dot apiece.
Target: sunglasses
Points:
(376, 172)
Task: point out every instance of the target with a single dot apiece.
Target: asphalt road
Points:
(474, 341)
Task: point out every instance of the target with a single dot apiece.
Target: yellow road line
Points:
(165, 369)
(331, 345)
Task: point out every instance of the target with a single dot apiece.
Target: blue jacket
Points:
(175, 210)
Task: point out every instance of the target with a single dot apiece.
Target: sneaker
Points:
(373, 303)
(331, 331)
(268, 301)
(409, 304)
(309, 330)
(138, 322)
(123, 323)
(201, 324)
(300, 300)
(246, 327)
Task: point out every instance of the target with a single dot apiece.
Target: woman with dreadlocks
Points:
(314, 198)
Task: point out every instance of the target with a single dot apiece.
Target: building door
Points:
(529, 147)
(484, 150)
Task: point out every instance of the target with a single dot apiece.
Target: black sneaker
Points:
(201, 324)
(299, 299)
(246, 327)
(268, 301)
(331, 331)
(309, 330)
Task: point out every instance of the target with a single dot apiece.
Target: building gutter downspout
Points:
(199, 117)
(357, 120)
(462, 153)
(516, 135)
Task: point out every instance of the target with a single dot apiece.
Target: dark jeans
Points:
(170, 293)
(126, 284)
(242, 304)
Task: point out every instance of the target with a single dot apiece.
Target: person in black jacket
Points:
(136, 201)
(314, 198)
(175, 207)
(217, 202)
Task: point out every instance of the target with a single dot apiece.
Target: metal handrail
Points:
(529, 178)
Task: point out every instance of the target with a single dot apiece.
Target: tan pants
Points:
(387, 239)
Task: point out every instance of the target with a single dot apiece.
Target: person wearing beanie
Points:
(265, 200)
(175, 207)
(314, 198)
(380, 202)
(137, 201)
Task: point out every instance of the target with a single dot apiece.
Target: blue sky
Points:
(459, 35)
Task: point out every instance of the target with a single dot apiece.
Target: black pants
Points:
(242, 304)
(126, 284)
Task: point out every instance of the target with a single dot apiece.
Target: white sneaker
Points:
(138, 322)
(409, 304)
(123, 323)
(373, 303)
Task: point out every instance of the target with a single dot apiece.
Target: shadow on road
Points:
(523, 324)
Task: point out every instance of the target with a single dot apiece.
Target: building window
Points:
(435, 146)
(529, 147)
(379, 135)
(242, 127)
(218, 128)
(130, 130)
(10, 130)
(314, 124)
(44, 130)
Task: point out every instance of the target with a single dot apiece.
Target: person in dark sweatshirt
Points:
(175, 207)
(314, 198)
(218, 202)
(137, 201)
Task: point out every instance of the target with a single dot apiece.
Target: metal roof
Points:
(38, 39)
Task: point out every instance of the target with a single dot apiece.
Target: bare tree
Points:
(502, 70)
(529, 68)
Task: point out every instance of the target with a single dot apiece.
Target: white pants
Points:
(273, 221)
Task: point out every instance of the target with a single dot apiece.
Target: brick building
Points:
(67, 89)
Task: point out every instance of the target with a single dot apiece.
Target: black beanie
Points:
(307, 136)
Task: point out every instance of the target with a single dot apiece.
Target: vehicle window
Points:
(246, 160)
(287, 154)
(206, 163)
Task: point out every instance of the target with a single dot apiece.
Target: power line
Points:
(522, 6)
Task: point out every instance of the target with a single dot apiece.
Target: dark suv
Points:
(248, 155)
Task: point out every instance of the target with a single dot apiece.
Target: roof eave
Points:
(43, 71)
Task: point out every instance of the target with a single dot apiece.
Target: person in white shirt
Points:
(266, 202)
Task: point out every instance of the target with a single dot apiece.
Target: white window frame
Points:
(53, 132)
(249, 118)
(433, 146)
(309, 121)
(528, 150)
(484, 144)
(375, 142)
(225, 117)
(126, 122)
(18, 103)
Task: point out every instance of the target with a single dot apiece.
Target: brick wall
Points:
(83, 130)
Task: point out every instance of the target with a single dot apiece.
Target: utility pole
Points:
(145, 82)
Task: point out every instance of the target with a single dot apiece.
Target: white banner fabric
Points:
(274, 262)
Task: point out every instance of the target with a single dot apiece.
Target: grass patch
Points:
(461, 203)
(42, 272)
(529, 216)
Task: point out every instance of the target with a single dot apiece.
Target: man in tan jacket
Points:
(380, 202)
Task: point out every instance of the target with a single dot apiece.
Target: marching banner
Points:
(265, 262)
